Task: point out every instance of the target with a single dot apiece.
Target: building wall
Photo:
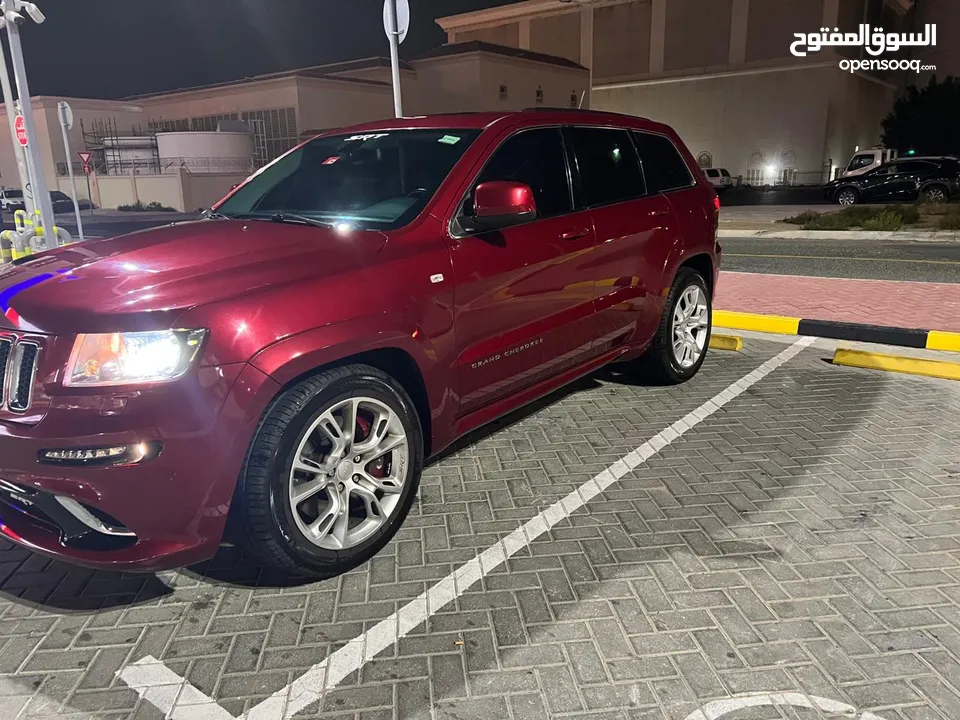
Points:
(697, 34)
(771, 25)
(325, 104)
(621, 41)
(450, 84)
(557, 35)
(858, 104)
(409, 85)
(743, 121)
(508, 35)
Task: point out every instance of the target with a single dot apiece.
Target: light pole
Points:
(11, 15)
(11, 109)
(396, 23)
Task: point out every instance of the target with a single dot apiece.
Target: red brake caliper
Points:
(377, 469)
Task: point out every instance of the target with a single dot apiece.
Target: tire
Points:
(660, 362)
(848, 196)
(935, 194)
(276, 528)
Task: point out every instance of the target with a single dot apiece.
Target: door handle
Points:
(575, 234)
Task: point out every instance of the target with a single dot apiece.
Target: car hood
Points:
(146, 280)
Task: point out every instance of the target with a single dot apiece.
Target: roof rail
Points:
(542, 108)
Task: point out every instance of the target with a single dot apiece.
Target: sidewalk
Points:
(929, 306)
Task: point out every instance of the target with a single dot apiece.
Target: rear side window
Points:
(663, 167)
(535, 158)
(917, 166)
(608, 166)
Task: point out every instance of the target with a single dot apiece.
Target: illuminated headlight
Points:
(132, 358)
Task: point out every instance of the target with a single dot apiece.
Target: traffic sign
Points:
(403, 19)
(85, 159)
(21, 129)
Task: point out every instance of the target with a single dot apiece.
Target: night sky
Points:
(116, 48)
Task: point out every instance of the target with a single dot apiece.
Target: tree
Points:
(926, 120)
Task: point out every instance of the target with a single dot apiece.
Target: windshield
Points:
(58, 195)
(381, 180)
(13, 193)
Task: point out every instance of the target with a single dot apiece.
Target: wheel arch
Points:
(849, 186)
(295, 359)
(703, 264)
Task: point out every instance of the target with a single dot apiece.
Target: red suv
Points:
(350, 310)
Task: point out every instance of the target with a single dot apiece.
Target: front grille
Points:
(18, 370)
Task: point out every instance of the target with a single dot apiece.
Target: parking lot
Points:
(780, 538)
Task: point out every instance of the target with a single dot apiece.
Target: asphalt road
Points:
(868, 259)
(109, 225)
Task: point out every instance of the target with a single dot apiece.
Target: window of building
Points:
(535, 158)
(539, 95)
(574, 100)
(504, 92)
(608, 166)
(663, 166)
(755, 176)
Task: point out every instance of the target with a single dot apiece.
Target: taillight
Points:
(716, 202)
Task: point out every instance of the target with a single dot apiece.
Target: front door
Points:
(524, 294)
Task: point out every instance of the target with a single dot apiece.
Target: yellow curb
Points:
(726, 342)
(896, 363)
(937, 340)
(757, 323)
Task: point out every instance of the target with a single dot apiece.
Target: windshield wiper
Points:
(282, 217)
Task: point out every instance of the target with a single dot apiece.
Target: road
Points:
(867, 259)
(110, 223)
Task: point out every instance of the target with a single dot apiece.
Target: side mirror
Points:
(501, 204)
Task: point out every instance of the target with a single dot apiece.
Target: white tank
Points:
(126, 154)
(206, 152)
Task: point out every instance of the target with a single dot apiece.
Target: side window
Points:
(535, 158)
(663, 166)
(713, 173)
(607, 161)
(860, 161)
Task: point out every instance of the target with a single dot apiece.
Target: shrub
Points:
(803, 218)
(950, 221)
(887, 219)
(138, 206)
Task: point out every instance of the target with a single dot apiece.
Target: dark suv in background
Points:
(350, 310)
(934, 179)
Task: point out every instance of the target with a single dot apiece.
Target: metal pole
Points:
(12, 120)
(394, 35)
(34, 164)
(73, 179)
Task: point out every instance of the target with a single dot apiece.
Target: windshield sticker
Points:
(364, 138)
(332, 160)
(449, 140)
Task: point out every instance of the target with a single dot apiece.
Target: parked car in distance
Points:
(63, 203)
(719, 178)
(933, 179)
(350, 310)
(11, 200)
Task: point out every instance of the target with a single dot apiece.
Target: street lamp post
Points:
(396, 23)
(11, 15)
(18, 152)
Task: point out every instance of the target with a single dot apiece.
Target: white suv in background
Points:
(719, 178)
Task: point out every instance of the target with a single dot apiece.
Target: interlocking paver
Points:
(803, 539)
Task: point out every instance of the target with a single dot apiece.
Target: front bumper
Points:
(164, 513)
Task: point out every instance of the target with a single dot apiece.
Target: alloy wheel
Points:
(847, 197)
(348, 473)
(935, 195)
(691, 325)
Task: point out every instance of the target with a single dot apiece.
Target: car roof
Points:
(483, 120)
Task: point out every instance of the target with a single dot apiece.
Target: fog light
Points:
(102, 456)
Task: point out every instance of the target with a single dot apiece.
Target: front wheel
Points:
(935, 194)
(332, 472)
(847, 197)
(680, 344)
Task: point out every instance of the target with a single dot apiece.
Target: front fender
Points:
(300, 354)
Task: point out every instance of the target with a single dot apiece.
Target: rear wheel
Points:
(680, 344)
(332, 472)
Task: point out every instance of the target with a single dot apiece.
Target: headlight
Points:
(131, 358)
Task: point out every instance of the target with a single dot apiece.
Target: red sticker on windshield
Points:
(331, 161)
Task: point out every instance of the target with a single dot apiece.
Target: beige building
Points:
(127, 138)
(721, 71)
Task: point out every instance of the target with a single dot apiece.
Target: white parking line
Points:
(181, 701)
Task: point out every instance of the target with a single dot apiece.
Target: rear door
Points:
(524, 297)
(636, 229)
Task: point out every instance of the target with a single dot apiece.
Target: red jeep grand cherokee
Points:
(348, 311)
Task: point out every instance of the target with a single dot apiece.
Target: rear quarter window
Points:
(663, 166)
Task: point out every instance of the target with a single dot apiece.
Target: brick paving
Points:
(927, 306)
(804, 539)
